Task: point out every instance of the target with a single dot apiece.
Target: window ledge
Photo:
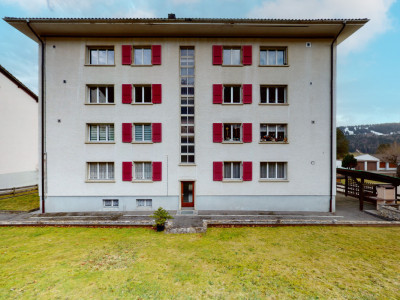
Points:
(274, 104)
(142, 181)
(89, 65)
(232, 65)
(86, 103)
(187, 165)
(273, 143)
(93, 142)
(232, 180)
(100, 181)
(133, 65)
(273, 180)
(241, 103)
(142, 142)
(142, 103)
(232, 142)
(279, 66)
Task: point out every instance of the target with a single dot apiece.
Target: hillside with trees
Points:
(367, 138)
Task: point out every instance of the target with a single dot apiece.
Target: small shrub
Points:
(161, 216)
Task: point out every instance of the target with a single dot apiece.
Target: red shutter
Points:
(126, 132)
(127, 171)
(217, 54)
(217, 132)
(247, 171)
(156, 93)
(247, 132)
(127, 93)
(126, 54)
(156, 54)
(217, 93)
(156, 132)
(218, 167)
(247, 55)
(247, 93)
(157, 170)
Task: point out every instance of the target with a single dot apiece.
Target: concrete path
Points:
(347, 214)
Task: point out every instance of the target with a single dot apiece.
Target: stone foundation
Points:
(391, 212)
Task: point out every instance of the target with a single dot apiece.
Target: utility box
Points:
(386, 192)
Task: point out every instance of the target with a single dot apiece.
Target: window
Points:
(144, 202)
(273, 94)
(231, 56)
(142, 56)
(110, 202)
(232, 170)
(101, 56)
(101, 132)
(273, 57)
(142, 171)
(273, 133)
(232, 132)
(143, 94)
(143, 133)
(101, 171)
(232, 94)
(273, 170)
(101, 94)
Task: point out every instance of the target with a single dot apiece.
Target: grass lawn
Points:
(22, 203)
(254, 263)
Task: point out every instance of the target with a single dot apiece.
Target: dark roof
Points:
(186, 27)
(18, 83)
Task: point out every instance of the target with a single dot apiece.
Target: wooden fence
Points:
(18, 191)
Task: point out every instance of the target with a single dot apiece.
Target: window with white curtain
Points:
(143, 133)
(273, 170)
(273, 132)
(273, 57)
(232, 56)
(101, 56)
(101, 171)
(232, 170)
(142, 56)
(143, 171)
(101, 132)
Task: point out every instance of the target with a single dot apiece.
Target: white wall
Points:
(18, 135)
(307, 153)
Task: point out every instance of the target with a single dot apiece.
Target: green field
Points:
(253, 263)
(20, 203)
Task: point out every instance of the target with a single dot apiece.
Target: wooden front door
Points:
(187, 193)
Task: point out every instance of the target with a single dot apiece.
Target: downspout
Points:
(42, 113)
(331, 133)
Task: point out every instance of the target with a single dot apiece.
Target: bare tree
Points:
(392, 155)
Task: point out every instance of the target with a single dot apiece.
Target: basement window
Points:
(110, 202)
(144, 202)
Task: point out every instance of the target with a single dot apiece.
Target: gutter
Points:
(331, 122)
(42, 116)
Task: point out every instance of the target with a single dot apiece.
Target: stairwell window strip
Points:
(101, 94)
(273, 170)
(187, 105)
(101, 56)
(143, 171)
(100, 171)
(101, 132)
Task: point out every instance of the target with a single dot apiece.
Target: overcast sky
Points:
(368, 89)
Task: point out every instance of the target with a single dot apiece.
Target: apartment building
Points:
(18, 134)
(187, 114)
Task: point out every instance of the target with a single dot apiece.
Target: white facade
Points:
(18, 134)
(307, 115)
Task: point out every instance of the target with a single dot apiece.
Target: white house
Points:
(203, 114)
(18, 134)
